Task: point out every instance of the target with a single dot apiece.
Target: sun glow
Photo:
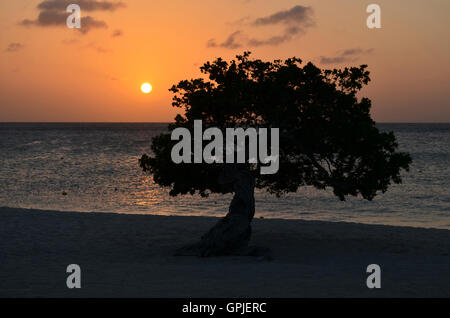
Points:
(146, 88)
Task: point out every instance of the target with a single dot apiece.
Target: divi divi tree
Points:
(327, 139)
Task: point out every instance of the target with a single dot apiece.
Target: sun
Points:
(146, 88)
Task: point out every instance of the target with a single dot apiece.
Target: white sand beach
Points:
(132, 256)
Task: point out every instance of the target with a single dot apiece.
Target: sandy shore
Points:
(131, 256)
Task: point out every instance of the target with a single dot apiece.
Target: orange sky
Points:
(53, 73)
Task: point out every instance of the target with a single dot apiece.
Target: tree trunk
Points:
(231, 234)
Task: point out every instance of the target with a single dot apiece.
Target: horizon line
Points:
(163, 122)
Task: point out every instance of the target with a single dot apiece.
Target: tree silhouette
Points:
(327, 139)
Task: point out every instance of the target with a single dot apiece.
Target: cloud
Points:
(288, 34)
(333, 60)
(117, 33)
(53, 13)
(296, 15)
(97, 48)
(56, 18)
(232, 42)
(85, 5)
(349, 55)
(274, 40)
(240, 21)
(295, 21)
(14, 47)
(353, 52)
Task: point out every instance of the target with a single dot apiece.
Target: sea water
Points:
(94, 168)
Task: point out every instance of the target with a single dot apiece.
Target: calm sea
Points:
(97, 166)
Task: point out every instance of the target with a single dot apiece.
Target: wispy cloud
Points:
(349, 55)
(97, 48)
(232, 42)
(117, 33)
(295, 21)
(14, 47)
(53, 13)
(298, 15)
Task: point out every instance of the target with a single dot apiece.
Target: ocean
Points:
(93, 167)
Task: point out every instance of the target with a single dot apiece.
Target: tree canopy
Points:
(327, 136)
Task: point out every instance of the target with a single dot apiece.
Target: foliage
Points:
(327, 137)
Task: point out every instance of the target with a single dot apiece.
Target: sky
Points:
(51, 73)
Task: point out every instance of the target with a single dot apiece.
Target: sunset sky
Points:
(50, 73)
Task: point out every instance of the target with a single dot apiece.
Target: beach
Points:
(126, 255)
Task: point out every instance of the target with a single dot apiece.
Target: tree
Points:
(326, 136)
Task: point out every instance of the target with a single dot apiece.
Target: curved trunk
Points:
(231, 234)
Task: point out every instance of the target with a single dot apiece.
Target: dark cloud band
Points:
(14, 47)
(53, 13)
(296, 15)
(87, 5)
(295, 20)
(349, 55)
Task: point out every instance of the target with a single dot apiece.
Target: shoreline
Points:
(399, 224)
(131, 255)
